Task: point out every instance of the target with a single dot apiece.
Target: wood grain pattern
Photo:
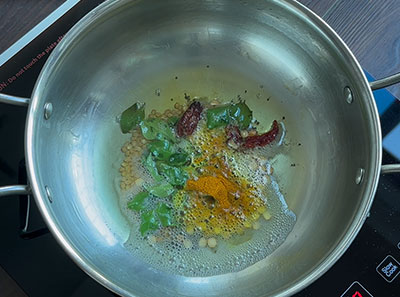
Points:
(8, 287)
(372, 31)
(17, 17)
(320, 7)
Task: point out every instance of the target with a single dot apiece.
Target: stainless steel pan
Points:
(125, 50)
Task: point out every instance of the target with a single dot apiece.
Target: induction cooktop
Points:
(32, 257)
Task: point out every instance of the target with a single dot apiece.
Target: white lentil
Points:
(212, 242)
(202, 242)
(267, 215)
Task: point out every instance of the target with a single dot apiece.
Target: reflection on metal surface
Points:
(14, 190)
(391, 168)
(48, 110)
(49, 194)
(360, 175)
(348, 95)
(385, 82)
(87, 204)
(14, 100)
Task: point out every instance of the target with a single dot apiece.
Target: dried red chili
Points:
(263, 139)
(189, 120)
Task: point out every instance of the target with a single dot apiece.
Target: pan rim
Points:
(40, 196)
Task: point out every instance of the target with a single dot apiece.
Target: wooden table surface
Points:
(17, 17)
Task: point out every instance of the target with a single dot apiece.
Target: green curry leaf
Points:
(149, 222)
(157, 129)
(150, 165)
(174, 175)
(172, 121)
(179, 159)
(161, 149)
(165, 215)
(131, 117)
(239, 114)
(162, 190)
(217, 117)
(137, 203)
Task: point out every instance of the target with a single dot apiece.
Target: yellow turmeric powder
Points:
(216, 186)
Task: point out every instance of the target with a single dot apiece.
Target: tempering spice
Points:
(218, 187)
(189, 120)
(193, 185)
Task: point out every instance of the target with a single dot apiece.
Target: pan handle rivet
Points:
(348, 95)
(360, 175)
(48, 110)
(48, 194)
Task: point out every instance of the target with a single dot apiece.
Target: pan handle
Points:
(390, 168)
(14, 100)
(385, 82)
(15, 190)
(380, 84)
